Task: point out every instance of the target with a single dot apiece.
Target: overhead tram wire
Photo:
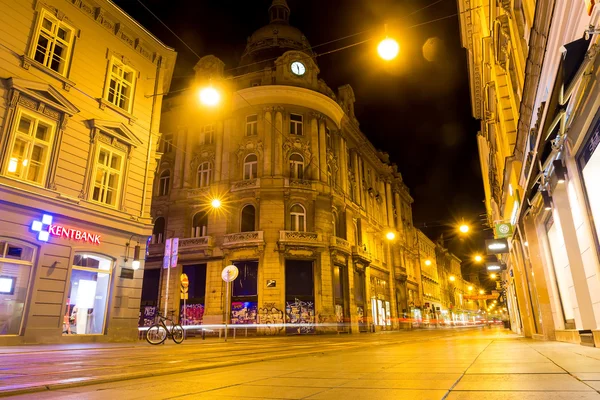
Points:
(335, 184)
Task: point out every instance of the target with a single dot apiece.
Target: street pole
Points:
(227, 303)
(167, 290)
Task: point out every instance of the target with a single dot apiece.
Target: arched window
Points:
(248, 223)
(204, 173)
(298, 218)
(200, 224)
(158, 233)
(296, 166)
(250, 166)
(164, 183)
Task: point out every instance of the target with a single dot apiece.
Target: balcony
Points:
(298, 183)
(361, 254)
(156, 249)
(243, 239)
(196, 192)
(302, 239)
(340, 244)
(194, 245)
(245, 184)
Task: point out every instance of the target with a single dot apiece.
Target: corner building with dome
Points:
(306, 200)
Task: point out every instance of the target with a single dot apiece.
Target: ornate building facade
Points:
(538, 144)
(79, 118)
(307, 201)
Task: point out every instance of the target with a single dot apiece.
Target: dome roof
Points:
(274, 39)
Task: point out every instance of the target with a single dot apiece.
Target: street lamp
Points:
(452, 278)
(388, 49)
(482, 291)
(215, 203)
(464, 228)
(493, 276)
(478, 258)
(209, 96)
(470, 288)
(428, 262)
(390, 235)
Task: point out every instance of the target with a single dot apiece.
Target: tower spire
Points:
(279, 12)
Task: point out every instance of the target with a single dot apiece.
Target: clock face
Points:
(298, 68)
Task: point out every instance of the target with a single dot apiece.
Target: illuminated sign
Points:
(45, 228)
(496, 246)
(495, 266)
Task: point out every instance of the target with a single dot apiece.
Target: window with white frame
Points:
(296, 124)
(167, 146)
(296, 166)
(204, 171)
(298, 218)
(52, 43)
(164, 183)
(108, 175)
(328, 138)
(252, 125)
(200, 224)
(250, 166)
(30, 147)
(120, 84)
(207, 134)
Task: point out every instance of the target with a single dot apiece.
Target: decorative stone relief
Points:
(250, 146)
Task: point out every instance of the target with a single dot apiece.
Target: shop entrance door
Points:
(299, 297)
(359, 298)
(562, 270)
(194, 305)
(339, 294)
(244, 295)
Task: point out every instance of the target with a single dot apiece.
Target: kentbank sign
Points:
(45, 228)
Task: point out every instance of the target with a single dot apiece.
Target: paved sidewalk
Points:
(26, 369)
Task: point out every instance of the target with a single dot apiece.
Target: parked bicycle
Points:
(159, 332)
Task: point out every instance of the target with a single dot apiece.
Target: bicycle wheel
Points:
(156, 334)
(177, 334)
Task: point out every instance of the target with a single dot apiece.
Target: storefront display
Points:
(589, 163)
(244, 312)
(88, 295)
(560, 263)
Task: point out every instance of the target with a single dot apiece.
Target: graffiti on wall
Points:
(301, 314)
(360, 311)
(339, 314)
(270, 315)
(147, 315)
(243, 312)
(194, 313)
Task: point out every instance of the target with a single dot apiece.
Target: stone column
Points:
(318, 163)
(398, 211)
(323, 149)
(219, 152)
(356, 176)
(343, 166)
(534, 253)
(383, 203)
(187, 160)
(266, 129)
(278, 170)
(562, 212)
(388, 202)
(179, 158)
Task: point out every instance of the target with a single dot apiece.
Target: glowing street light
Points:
(215, 203)
(470, 288)
(493, 276)
(482, 291)
(428, 262)
(464, 228)
(478, 258)
(388, 49)
(209, 96)
(452, 278)
(390, 236)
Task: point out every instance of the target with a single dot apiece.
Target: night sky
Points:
(416, 108)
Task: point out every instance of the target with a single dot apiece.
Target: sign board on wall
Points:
(503, 230)
(496, 246)
(46, 228)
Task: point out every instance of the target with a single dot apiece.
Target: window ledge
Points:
(103, 104)
(27, 62)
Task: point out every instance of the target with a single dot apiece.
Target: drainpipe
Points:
(149, 153)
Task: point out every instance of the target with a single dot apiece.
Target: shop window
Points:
(120, 85)
(200, 224)
(108, 175)
(16, 263)
(295, 124)
(248, 219)
(52, 43)
(30, 147)
(204, 172)
(252, 125)
(87, 301)
(194, 305)
(250, 166)
(207, 134)
(244, 295)
(158, 233)
(298, 218)
(296, 166)
(164, 183)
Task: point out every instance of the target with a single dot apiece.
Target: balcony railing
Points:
(243, 239)
(298, 183)
(301, 238)
(340, 244)
(199, 243)
(246, 184)
(361, 254)
(156, 249)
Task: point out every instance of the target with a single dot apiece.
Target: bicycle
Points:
(159, 332)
